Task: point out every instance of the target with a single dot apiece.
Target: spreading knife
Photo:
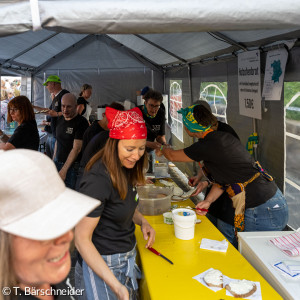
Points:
(159, 254)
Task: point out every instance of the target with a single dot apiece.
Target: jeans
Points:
(151, 160)
(79, 282)
(50, 144)
(226, 229)
(72, 173)
(270, 216)
(124, 269)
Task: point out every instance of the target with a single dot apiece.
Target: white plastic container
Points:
(168, 218)
(184, 223)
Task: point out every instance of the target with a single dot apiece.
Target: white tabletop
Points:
(262, 254)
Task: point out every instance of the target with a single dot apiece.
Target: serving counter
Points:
(161, 280)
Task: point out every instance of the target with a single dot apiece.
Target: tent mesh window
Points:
(215, 94)
(292, 150)
(175, 105)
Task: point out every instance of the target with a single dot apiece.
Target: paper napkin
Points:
(214, 245)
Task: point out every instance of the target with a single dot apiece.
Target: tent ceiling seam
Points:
(228, 40)
(84, 39)
(30, 48)
(160, 48)
(136, 53)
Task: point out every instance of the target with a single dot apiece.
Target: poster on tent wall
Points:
(274, 74)
(249, 84)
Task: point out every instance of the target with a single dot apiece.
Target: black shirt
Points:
(66, 133)
(155, 126)
(26, 136)
(81, 100)
(60, 291)
(115, 230)
(222, 208)
(56, 106)
(228, 162)
(90, 133)
(95, 144)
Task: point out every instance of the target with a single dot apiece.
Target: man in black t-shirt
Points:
(53, 85)
(155, 119)
(69, 133)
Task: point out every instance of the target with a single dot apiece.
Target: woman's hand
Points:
(122, 293)
(148, 233)
(200, 187)
(63, 174)
(205, 204)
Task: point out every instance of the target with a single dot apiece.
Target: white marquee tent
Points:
(120, 46)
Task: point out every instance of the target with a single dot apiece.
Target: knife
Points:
(159, 254)
(201, 209)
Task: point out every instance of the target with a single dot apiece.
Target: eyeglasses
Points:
(154, 106)
(13, 110)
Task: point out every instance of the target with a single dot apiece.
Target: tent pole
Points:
(152, 79)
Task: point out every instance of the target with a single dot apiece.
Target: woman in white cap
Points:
(105, 239)
(37, 214)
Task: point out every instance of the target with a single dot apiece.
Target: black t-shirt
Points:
(90, 133)
(81, 100)
(222, 208)
(155, 126)
(60, 291)
(95, 144)
(56, 105)
(115, 230)
(228, 162)
(26, 136)
(66, 133)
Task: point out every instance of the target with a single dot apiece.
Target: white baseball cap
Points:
(34, 201)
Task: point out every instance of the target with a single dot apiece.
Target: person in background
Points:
(69, 133)
(144, 91)
(98, 126)
(221, 212)
(93, 141)
(83, 107)
(47, 128)
(37, 215)
(258, 202)
(26, 135)
(105, 238)
(53, 85)
(155, 120)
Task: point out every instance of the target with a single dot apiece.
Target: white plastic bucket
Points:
(184, 223)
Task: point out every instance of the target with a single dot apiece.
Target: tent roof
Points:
(164, 34)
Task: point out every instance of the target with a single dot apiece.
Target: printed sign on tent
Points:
(274, 74)
(249, 84)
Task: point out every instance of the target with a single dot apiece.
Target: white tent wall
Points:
(114, 72)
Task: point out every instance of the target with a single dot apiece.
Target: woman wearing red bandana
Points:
(105, 238)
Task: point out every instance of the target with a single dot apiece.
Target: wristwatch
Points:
(209, 183)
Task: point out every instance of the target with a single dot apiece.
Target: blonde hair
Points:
(119, 175)
(84, 88)
(7, 274)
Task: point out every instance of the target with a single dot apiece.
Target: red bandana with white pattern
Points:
(126, 125)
